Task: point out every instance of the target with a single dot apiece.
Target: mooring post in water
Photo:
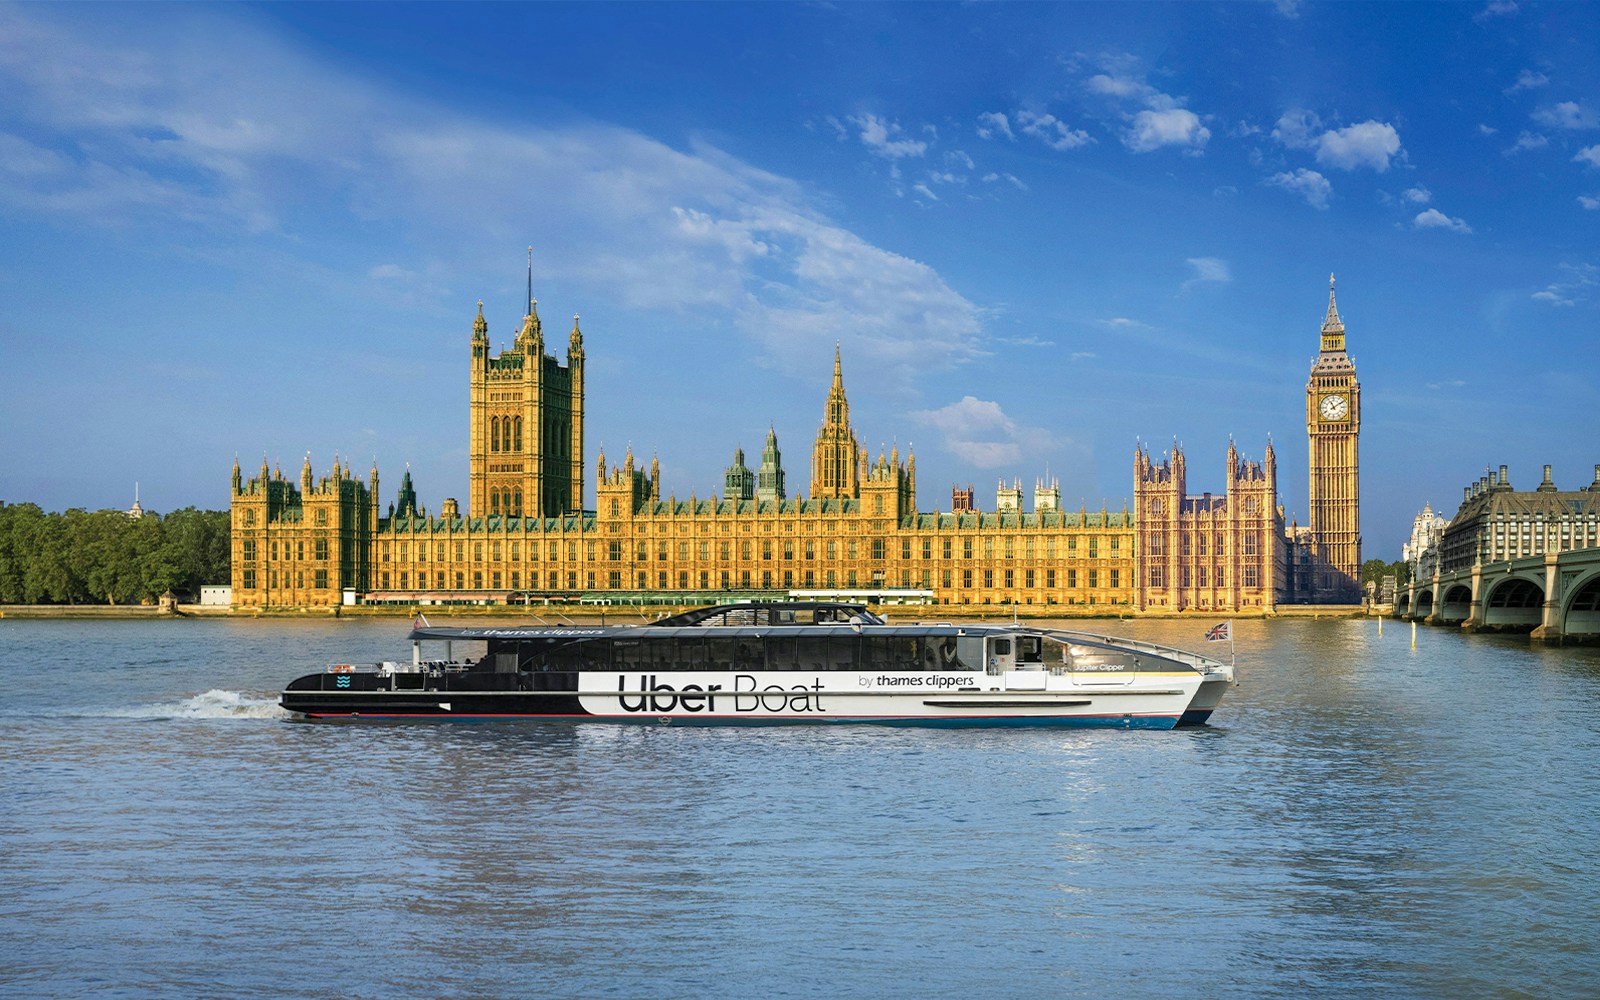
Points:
(1413, 635)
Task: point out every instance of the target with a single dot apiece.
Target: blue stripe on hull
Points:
(953, 722)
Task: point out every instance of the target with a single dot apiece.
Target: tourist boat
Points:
(775, 663)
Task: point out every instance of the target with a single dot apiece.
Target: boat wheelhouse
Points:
(774, 663)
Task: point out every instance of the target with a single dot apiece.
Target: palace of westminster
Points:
(526, 536)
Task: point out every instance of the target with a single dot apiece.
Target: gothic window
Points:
(516, 506)
(516, 435)
(322, 515)
(1155, 508)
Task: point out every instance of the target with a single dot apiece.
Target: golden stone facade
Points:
(1331, 570)
(526, 536)
(1206, 552)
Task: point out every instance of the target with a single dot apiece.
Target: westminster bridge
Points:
(1556, 595)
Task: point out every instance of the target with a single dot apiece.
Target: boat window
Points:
(691, 654)
(631, 654)
(782, 653)
(1055, 654)
(948, 652)
(719, 653)
(893, 653)
(1002, 647)
(827, 652)
(1028, 649)
(594, 654)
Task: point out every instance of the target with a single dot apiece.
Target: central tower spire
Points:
(836, 459)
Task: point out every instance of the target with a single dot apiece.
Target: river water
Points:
(1361, 818)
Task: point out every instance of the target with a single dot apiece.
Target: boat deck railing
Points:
(1137, 645)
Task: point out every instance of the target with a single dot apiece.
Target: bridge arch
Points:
(1402, 604)
(1456, 604)
(1515, 602)
(1424, 604)
(1582, 613)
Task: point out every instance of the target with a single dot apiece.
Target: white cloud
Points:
(184, 126)
(885, 139)
(1486, 129)
(959, 158)
(1052, 131)
(1118, 86)
(1580, 281)
(1369, 144)
(1567, 115)
(1496, 8)
(1124, 323)
(1164, 122)
(1172, 127)
(925, 191)
(1528, 140)
(1308, 184)
(1297, 128)
(1591, 156)
(993, 123)
(1435, 219)
(1011, 179)
(1208, 269)
(1528, 80)
(979, 432)
(1592, 204)
(1418, 195)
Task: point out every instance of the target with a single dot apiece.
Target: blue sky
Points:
(1038, 233)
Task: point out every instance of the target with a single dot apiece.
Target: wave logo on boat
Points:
(343, 681)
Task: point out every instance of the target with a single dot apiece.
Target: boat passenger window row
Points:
(802, 653)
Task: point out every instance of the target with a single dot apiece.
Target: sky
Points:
(1037, 234)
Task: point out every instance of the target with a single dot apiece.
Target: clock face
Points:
(1333, 407)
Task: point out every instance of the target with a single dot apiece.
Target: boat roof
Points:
(662, 631)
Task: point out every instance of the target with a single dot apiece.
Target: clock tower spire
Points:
(1333, 427)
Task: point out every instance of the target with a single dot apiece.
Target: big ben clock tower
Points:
(1333, 425)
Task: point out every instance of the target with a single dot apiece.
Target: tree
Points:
(81, 556)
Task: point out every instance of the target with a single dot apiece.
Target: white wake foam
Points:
(213, 704)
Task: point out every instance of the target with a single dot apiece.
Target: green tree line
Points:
(107, 557)
(1376, 569)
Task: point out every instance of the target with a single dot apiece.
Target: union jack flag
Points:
(1220, 633)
